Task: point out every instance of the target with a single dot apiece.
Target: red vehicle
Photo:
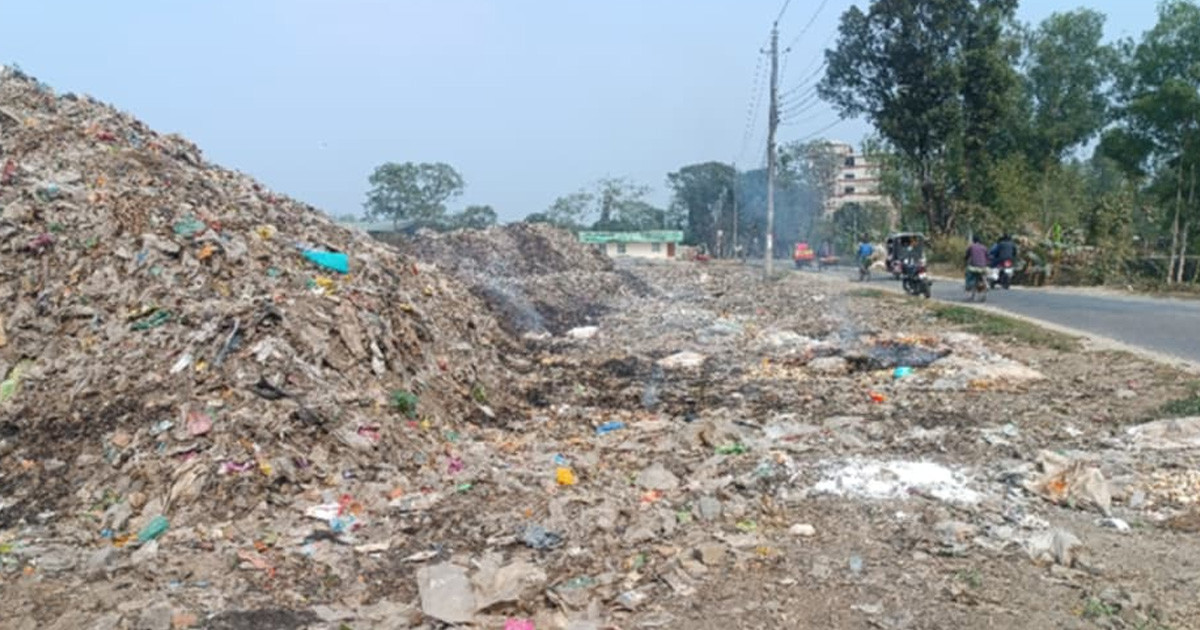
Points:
(804, 255)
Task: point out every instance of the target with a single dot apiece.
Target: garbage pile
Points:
(179, 342)
(537, 279)
(218, 409)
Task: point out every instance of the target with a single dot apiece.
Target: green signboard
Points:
(647, 236)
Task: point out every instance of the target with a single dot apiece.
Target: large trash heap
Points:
(175, 334)
(220, 409)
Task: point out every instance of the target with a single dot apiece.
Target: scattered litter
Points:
(1075, 483)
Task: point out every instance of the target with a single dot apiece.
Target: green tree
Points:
(933, 77)
(1158, 133)
(1066, 73)
(473, 218)
(412, 192)
(1067, 68)
(570, 211)
(705, 192)
(848, 223)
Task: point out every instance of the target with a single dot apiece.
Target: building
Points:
(857, 180)
(659, 244)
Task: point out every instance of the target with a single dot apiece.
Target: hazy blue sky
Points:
(528, 99)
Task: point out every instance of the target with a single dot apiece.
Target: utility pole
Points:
(733, 192)
(772, 123)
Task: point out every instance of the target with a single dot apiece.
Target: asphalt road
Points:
(1165, 326)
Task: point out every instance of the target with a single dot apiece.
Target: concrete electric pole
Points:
(772, 123)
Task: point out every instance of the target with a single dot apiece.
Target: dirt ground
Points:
(771, 469)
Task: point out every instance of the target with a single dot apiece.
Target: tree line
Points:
(983, 125)
(987, 125)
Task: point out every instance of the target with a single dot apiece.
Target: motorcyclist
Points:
(977, 261)
(1005, 250)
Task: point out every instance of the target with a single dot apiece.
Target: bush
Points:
(948, 250)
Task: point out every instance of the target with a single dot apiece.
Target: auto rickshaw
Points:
(901, 246)
(804, 255)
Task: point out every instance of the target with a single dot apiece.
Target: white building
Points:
(857, 180)
(660, 244)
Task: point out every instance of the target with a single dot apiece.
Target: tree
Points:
(622, 206)
(848, 223)
(412, 192)
(1067, 68)
(571, 211)
(931, 75)
(703, 191)
(809, 170)
(1158, 132)
(473, 218)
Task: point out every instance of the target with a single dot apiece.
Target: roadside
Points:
(1161, 329)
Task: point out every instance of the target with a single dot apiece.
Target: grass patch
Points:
(869, 294)
(1094, 608)
(991, 325)
(971, 577)
(1184, 407)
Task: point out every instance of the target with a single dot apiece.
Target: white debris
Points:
(683, 360)
(583, 332)
(1165, 435)
(896, 480)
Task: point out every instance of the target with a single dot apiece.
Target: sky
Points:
(527, 99)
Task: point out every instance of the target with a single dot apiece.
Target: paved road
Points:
(1162, 325)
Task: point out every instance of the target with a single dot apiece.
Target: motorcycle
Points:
(1001, 275)
(916, 280)
(978, 289)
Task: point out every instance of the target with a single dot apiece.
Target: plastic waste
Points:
(538, 537)
(48, 192)
(518, 624)
(9, 387)
(565, 476)
(856, 564)
(609, 427)
(732, 449)
(902, 372)
(158, 318)
(198, 424)
(155, 528)
(189, 226)
(405, 402)
(333, 261)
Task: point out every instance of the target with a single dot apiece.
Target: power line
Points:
(803, 31)
(786, 3)
(807, 81)
(822, 130)
(792, 115)
(756, 91)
